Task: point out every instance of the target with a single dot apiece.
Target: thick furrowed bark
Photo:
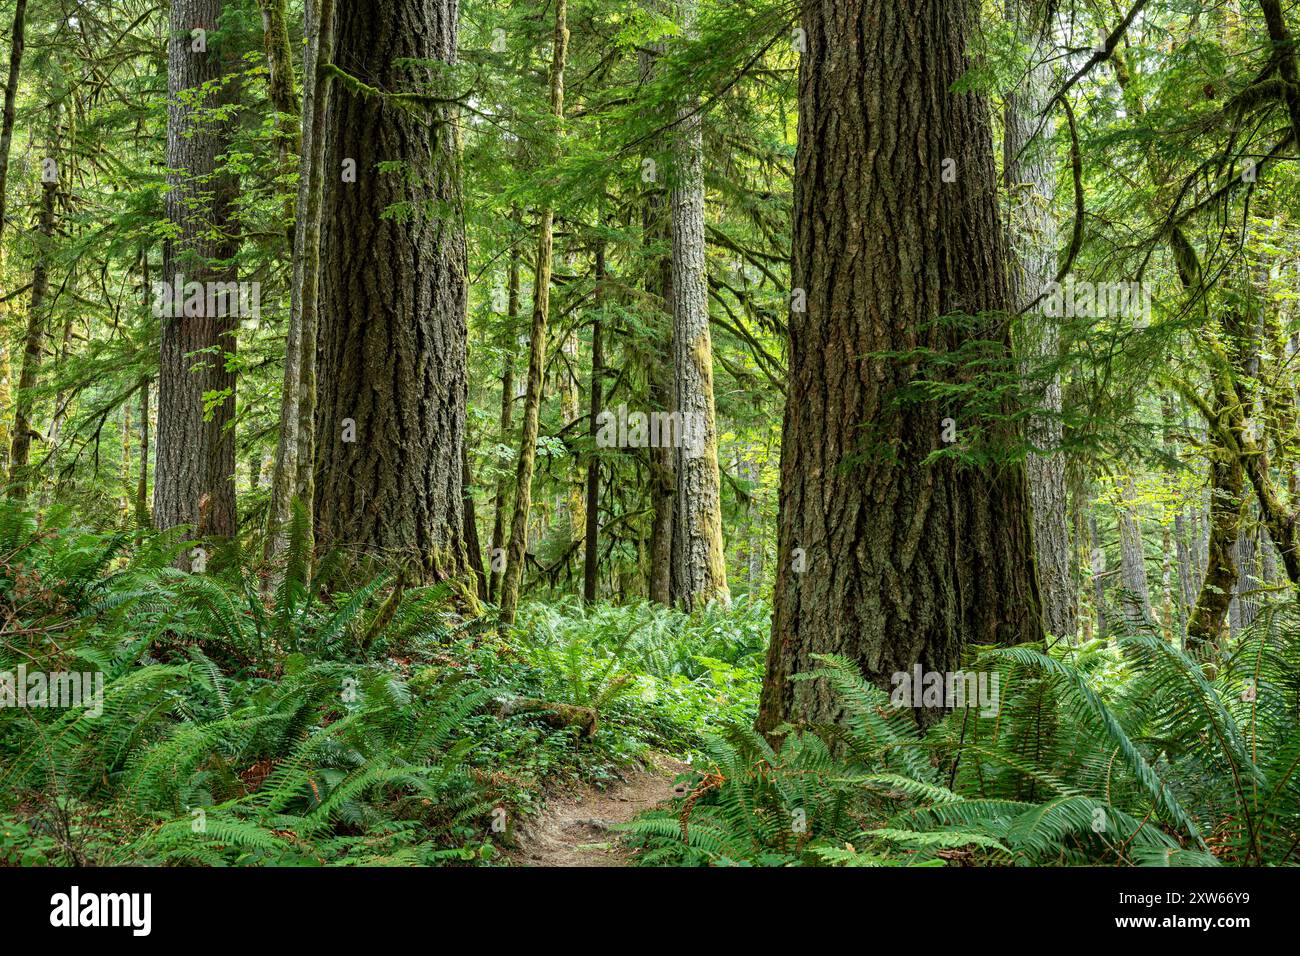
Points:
(392, 345)
(883, 559)
(194, 474)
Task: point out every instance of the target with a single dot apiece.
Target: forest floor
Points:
(575, 829)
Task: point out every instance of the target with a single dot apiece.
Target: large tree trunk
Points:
(1029, 169)
(392, 339)
(883, 559)
(701, 566)
(194, 476)
(517, 551)
(294, 472)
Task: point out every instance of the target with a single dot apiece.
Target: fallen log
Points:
(556, 715)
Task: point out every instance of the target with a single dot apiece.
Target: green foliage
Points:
(250, 724)
(1161, 767)
(661, 674)
(231, 731)
(274, 716)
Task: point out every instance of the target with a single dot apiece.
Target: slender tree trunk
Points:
(663, 500)
(1083, 548)
(1181, 548)
(279, 85)
(1236, 427)
(1186, 569)
(322, 37)
(1230, 427)
(1282, 522)
(1245, 602)
(6, 139)
(1227, 483)
(659, 285)
(1167, 613)
(883, 559)
(142, 522)
(697, 546)
(1228, 411)
(1269, 570)
(1284, 59)
(58, 415)
(507, 410)
(591, 560)
(751, 473)
(473, 550)
(392, 340)
(1200, 538)
(1029, 168)
(569, 506)
(194, 476)
(294, 469)
(126, 474)
(33, 346)
(517, 551)
(1135, 602)
(1098, 564)
(11, 95)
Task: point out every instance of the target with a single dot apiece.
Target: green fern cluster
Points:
(234, 729)
(1164, 766)
(655, 673)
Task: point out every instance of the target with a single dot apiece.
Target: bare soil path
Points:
(575, 829)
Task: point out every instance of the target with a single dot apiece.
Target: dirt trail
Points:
(575, 828)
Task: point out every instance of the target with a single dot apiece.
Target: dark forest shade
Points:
(392, 340)
(902, 563)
